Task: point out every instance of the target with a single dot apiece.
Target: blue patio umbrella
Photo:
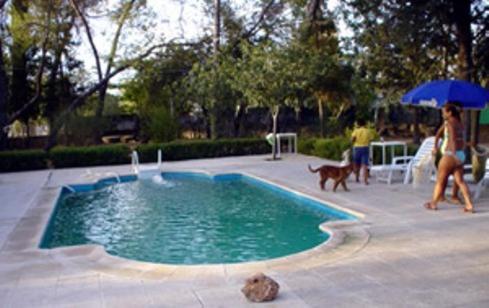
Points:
(437, 93)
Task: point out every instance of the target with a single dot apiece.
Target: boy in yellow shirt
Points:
(361, 138)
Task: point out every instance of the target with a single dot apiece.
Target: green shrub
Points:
(22, 160)
(331, 148)
(180, 150)
(398, 151)
(159, 125)
(306, 145)
(63, 157)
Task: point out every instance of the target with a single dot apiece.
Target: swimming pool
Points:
(193, 218)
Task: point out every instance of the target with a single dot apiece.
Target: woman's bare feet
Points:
(469, 210)
(452, 200)
(455, 200)
(430, 206)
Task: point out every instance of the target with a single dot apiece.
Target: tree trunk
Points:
(99, 114)
(298, 118)
(51, 97)
(172, 102)
(3, 94)
(111, 58)
(217, 26)
(274, 110)
(21, 42)
(3, 101)
(321, 117)
(462, 19)
(475, 127)
(213, 124)
(238, 118)
(19, 85)
(207, 124)
(28, 139)
(464, 38)
(101, 102)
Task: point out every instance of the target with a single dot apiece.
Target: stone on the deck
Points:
(260, 288)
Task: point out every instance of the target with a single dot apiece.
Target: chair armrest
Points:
(404, 159)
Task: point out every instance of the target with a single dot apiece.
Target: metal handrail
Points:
(135, 162)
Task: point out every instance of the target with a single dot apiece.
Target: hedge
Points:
(65, 157)
(330, 148)
(306, 145)
(333, 148)
(22, 160)
(180, 150)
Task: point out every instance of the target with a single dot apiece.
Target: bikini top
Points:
(459, 135)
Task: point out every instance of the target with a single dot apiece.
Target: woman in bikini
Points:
(452, 160)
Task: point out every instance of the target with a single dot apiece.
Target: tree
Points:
(46, 27)
(157, 83)
(404, 44)
(266, 77)
(316, 47)
(121, 14)
(81, 98)
(3, 83)
(217, 26)
(126, 11)
(463, 17)
(61, 66)
(22, 44)
(209, 86)
(480, 26)
(42, 31)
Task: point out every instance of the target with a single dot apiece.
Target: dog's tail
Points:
(313, 170)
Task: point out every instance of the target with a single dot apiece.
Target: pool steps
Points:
(146, 172)
(115, 174)
(96, 175)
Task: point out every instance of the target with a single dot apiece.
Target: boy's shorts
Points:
(360, 155)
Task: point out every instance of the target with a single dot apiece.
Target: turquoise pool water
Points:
(193, 219)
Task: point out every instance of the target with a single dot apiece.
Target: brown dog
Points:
(338, 173)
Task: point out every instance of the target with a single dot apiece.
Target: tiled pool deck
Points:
(397, 254)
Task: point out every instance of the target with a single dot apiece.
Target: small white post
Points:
(159, 159)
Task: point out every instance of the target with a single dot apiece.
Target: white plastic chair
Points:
(482, 184)
(406, 164)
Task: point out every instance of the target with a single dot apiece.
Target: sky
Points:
(173, 21)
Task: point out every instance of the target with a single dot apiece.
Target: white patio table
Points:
(291, 138)
(381, 169)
